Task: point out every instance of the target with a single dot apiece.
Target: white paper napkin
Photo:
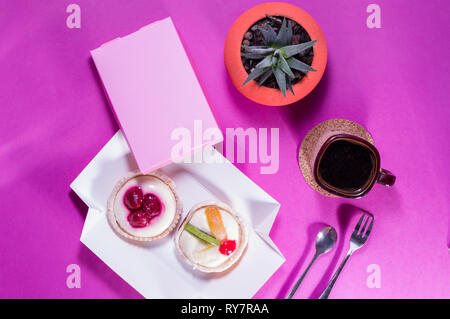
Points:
(154, 269)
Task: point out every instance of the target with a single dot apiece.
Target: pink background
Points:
(394, 81)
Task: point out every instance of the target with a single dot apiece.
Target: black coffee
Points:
(346, 165)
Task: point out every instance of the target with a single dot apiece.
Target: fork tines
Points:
(361, 233)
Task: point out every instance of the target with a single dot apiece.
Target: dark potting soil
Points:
(346, 165)
(299, 35)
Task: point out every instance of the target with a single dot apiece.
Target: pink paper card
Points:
(153, 90)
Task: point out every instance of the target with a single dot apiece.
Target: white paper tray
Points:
(154, 269)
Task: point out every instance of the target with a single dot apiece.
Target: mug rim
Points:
(333, 190)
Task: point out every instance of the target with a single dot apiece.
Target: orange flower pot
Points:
(235, 68)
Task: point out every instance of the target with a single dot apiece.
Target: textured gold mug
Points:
(318, 141)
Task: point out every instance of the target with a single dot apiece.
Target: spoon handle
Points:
(327, 290)
(299, 281)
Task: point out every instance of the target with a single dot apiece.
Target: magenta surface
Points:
(394, 81)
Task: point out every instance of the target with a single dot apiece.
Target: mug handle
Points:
(386, 178)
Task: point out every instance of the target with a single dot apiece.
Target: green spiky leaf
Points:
(299, 65)
(269, 35)
(291, 50)
(253, 56)
(264, 77)
(253, 75)
(283, 35)
(289, 85)
(258, 50)
(253, 46)
(289, 33)
(284, 66)
(265, 63)
(280, 76)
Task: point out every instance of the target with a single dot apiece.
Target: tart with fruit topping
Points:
(212, 237)
(144, 207)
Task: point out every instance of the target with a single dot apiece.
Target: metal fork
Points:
(357, 240)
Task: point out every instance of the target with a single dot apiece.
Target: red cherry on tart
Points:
(144, 207)
(151, 205)
(133, 198)
(138, 219)
(227, 247)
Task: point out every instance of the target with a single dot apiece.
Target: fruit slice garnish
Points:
(208, 247)
(215, 223)
(201, 234)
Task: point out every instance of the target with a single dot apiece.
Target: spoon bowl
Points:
(325, 240)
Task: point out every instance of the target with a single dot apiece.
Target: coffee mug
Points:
(342, 160)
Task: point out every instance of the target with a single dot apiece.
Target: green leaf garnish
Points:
(201, 234)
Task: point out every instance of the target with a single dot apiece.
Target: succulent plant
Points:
(277, 57)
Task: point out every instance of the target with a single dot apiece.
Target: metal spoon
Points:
(325, 241)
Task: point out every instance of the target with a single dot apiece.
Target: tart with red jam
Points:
(212, 237)
(144, 207)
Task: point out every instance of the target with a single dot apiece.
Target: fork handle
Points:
(327, 290)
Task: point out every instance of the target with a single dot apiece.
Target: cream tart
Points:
(144, 207)
(212, 237)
